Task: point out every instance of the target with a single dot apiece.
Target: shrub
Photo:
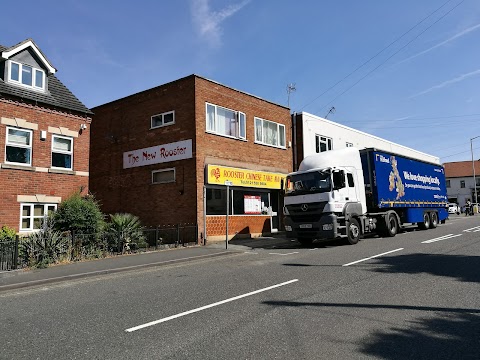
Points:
(7, 234)
(125, 232)
(79, 214)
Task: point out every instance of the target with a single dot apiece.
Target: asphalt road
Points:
(414, 296)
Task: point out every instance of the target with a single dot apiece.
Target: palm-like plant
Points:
(126, 230)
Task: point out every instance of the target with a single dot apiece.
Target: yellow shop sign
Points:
(241, 177)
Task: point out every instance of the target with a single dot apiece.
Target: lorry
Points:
(348, 193)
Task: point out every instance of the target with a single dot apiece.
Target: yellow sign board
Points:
(217, 175)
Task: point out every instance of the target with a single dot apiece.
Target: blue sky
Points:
(419, 88)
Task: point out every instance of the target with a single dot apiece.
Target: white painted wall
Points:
(341, 134)
(462, 194)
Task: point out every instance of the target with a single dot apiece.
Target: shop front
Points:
(254, 202)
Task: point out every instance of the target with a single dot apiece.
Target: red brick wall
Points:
(21, 182)
(237, 224)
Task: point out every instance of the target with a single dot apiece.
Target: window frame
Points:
(164, 170)
(19, 82)
(239, 118)
(447, 183)
(32, 216)
(462, 184)
(347, 144)
(279, 133)
(30, 147)
(62, 152)
(318, 140)
(163, 119)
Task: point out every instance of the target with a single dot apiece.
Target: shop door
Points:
(274, 220)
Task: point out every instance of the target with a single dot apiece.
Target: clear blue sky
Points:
(423, 91)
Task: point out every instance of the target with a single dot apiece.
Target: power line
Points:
(395, 53)
(417, 118)
(373, 57)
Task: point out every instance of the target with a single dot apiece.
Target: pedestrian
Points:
(468, 208)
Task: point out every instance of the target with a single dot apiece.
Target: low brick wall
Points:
(238, 226)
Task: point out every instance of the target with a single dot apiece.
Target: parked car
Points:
(453, 208)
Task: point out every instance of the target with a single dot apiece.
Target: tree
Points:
(126, 231)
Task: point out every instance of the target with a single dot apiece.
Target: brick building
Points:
(45, 136)
(167, 155)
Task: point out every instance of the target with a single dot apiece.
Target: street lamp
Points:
(473, 167)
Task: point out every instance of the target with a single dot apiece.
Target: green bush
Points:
(80, 214)
(7, 234)
(125, 233)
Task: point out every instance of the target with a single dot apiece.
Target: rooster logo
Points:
(216, 173)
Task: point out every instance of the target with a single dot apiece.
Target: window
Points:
(163, 176)
(351, 183)
(462, 183)
(18, 148)
(226, 122)
(323, 143)
(26, 75)
(33, 215)
(348, 144)
(477, 181)
(62, 152)
(448, 183)
(269, 133)
(167, 118)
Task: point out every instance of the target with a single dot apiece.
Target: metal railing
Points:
(9, 255)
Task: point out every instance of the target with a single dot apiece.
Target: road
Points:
(414, 296)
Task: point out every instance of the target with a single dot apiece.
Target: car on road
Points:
(453, 208)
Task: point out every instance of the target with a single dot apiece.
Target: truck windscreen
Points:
(309, 182)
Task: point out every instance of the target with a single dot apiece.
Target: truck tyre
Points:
(305, 241)
(353, 231)
(426, 222)
(391, 228)
(433, 220)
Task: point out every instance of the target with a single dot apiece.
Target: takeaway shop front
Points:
(255, 202)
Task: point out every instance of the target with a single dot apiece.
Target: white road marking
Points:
(208, 306)
(445, 237)
(474, 229)
(372, 257)
(250, 252)
(296, 252)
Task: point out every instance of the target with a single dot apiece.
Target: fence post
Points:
(178, 235)
(15, 253)
(156, 237)
(72, 252)
(196, 233)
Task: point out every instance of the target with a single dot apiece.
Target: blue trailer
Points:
(349, 192)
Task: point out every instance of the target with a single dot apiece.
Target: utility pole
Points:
(290, 88)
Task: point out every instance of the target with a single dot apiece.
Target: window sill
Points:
(226, 136)
(272, 146)
(17, 167)
(61, 171)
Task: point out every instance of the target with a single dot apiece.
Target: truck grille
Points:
(311, 214)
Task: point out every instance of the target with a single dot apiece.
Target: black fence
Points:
(177, 235)
(8, 255)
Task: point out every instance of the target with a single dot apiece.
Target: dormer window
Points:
(26, 75)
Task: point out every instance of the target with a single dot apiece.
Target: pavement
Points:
(22, 278)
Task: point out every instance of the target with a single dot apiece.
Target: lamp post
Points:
(473, 167)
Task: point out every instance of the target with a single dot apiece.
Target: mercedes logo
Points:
(304, 207)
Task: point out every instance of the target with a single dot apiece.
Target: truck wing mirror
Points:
(338, 180)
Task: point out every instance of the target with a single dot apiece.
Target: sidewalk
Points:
(22, 278)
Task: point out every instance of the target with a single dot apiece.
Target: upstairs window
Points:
(269, 133)
(18, 149)
(323, 143)
(164, 119)
(448, 183)
(62, 152)
(26, 75)
(462, 184)
(226, 122)
(348, 144)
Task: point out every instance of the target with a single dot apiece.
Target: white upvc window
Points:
(62, 152)
(323, 143)
(269, 133)
(18, 147)
(163, 119)
(32, 216)
(163, 176)
(226, 122)
(26, 75)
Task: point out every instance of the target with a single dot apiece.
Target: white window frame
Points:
(348, 144)
(164, 170)
(62, 152)
(7, 143)
(241, 131)
(162, 115)
(321, 139)
(20, 72)
(32, 216)
(279, 126)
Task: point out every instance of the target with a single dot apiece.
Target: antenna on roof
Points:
(290, 88)
(331, 111)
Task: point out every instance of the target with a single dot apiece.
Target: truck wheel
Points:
(391, 228)
(353, 231)
(433, 220)
(305, 241)
(426, 222)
